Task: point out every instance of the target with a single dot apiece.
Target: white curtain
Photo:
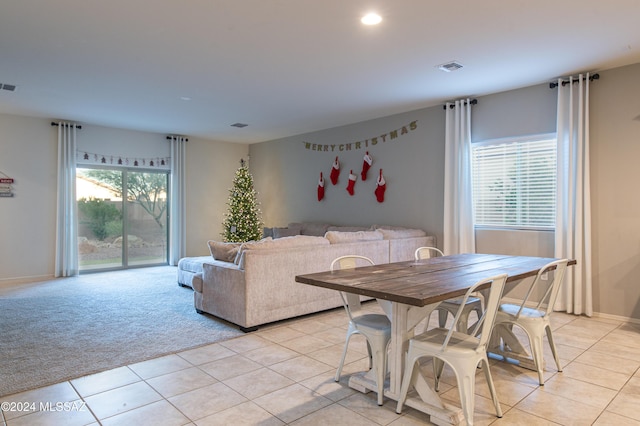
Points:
(459, 235)
(573, 216)
(66, 264)
(178, 206)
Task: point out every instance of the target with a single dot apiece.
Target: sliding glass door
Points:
(123, 219)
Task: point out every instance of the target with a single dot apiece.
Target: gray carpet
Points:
(70, 327)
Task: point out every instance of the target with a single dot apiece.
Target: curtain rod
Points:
(565, 82)
(472, 102)
(185, 139)
(53, 123)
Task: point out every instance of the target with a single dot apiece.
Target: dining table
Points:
(408, 292)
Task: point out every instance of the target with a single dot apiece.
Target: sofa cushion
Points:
(248, 244)
(226, 252)
(337, 237)
(310, 228)
(284, 232)
(349, 228)
(392, 234)
(279, 243)
(388, 227)
(192, 264)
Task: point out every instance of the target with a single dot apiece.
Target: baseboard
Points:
(11, 282)
(616, 318)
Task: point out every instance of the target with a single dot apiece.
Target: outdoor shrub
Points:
(97, 214)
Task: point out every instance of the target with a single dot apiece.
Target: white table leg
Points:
(504, 345)
(404, 319)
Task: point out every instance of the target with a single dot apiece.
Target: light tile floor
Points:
(283, 374)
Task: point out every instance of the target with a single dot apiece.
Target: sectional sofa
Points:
(253, 283)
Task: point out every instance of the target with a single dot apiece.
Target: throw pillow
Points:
(285, 232)
(225, 252)
(337, 237)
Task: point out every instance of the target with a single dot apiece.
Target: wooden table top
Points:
(426, 281)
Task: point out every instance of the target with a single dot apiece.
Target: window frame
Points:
(507, 140)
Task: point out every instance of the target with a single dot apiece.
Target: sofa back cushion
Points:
(285, 232)
(225, 252)
(349, 228)
(279, 243)
(338, 237)
(392, 234)
(310, 228)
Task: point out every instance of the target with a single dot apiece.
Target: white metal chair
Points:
(461, 351)
(535, 321)
(376, 328)
(474, 303)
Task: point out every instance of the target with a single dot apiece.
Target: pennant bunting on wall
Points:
(119, 160)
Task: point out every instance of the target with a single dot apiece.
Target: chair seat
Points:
(472, 304)
(376, 323)
(434, 339)
(512, 310)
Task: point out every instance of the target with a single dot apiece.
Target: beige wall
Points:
(28, 153)
(211, 167)
(615, 197)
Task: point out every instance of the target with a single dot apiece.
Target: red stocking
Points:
(335, 172)
(320, 188)
(352, 182)
(381, 186)
(366, 164)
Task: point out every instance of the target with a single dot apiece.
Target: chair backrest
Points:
(488, 317)
(350, 301)
(548, 299)
(427, 252)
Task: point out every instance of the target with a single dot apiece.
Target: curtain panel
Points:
(66, 263)
(178, 206)
(573, 204)
(459, 235)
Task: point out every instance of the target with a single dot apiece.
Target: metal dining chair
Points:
(461, 351)
(450, 306)
(535, 320)
(376, 328)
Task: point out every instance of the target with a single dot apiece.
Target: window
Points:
(117, 231)
(514, 182)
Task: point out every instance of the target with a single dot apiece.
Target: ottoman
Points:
(190, 269)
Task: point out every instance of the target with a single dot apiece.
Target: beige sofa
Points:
(254, 283)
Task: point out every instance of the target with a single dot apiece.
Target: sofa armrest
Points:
(223, 292)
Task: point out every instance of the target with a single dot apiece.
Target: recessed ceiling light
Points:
(449, 66)
(185, 98)
(239, 125)
(371, 19)
(8, 87)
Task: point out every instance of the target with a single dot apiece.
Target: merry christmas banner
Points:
(366, 143)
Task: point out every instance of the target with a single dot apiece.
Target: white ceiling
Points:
(287, 67)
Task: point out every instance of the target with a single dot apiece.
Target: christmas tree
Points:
(242, 222)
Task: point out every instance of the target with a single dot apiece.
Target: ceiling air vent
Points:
(239, 125)
(8, 87)
(450, 66)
